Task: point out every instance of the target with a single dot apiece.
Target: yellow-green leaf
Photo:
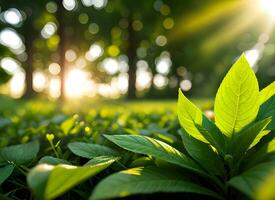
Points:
(237, 99)
(267, 92)
(49, 181)
(189, 115)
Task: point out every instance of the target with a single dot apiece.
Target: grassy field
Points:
(75, 121)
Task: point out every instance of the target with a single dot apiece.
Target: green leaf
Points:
(237, 99)
(101, 159)
(203, 154)
(242, 140)
(149, 146)
(20, 154)
(250, 181)
(260, 152)
(53, 161)
(267, 109)
(189, 115)
(266, 189)
(267, 92)
(87, 150)
(215, 137)
(142, 161)
(49, 182)
(68, 124)
(5, 172)
(145, 181)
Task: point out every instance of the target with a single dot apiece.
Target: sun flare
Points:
(268, 7)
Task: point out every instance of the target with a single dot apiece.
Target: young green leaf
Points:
(237, 99)
(189, 115)
(215, 137)
(87, 150)
(5, 172)
(242, 140)
(260, 152)
(203, 154)
(19, 154)
(101, 159)
(250, 181)
(49, 182)
(146, 181)
(267, 92)
(53, 161)
(149, 146)
(267, 109)
(68, 124)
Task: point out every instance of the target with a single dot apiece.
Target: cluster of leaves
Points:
(230, 157)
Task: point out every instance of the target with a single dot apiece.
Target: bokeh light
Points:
(54, 68)
(12, 16)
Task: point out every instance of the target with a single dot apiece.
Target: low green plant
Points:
(229, 158)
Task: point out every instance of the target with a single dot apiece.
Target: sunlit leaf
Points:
(267, 92)
(52, 161)
(189, 115)
(49, 181)
(267, 109)
(146, 181)
(237, 99)
(260, 152)
(149, 146)
(242, 140)
(88, 150)
(67, 125)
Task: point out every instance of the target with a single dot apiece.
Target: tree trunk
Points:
(61, 47)
(131, 53)
(29, 92)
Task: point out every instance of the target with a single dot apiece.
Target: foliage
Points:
(122, 150)
(236, 109)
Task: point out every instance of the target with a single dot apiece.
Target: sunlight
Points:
(17, 84)
(70, 55)
(185, 85)
(69, 4)
(122, 82)
(252, 56)
(54, 88)
(160, 81)
(110, 65)
(10, 65)
(39, 81)
(95, 51)
(48, 30)
(163, 65)
(76, 83)
(230, 31)
(200, 19)
(99, 3)
(144, 75)
(9, 38)
(12, 16)
(268, 7)
(54, 68)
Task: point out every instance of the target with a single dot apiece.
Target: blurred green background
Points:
(72, 49)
